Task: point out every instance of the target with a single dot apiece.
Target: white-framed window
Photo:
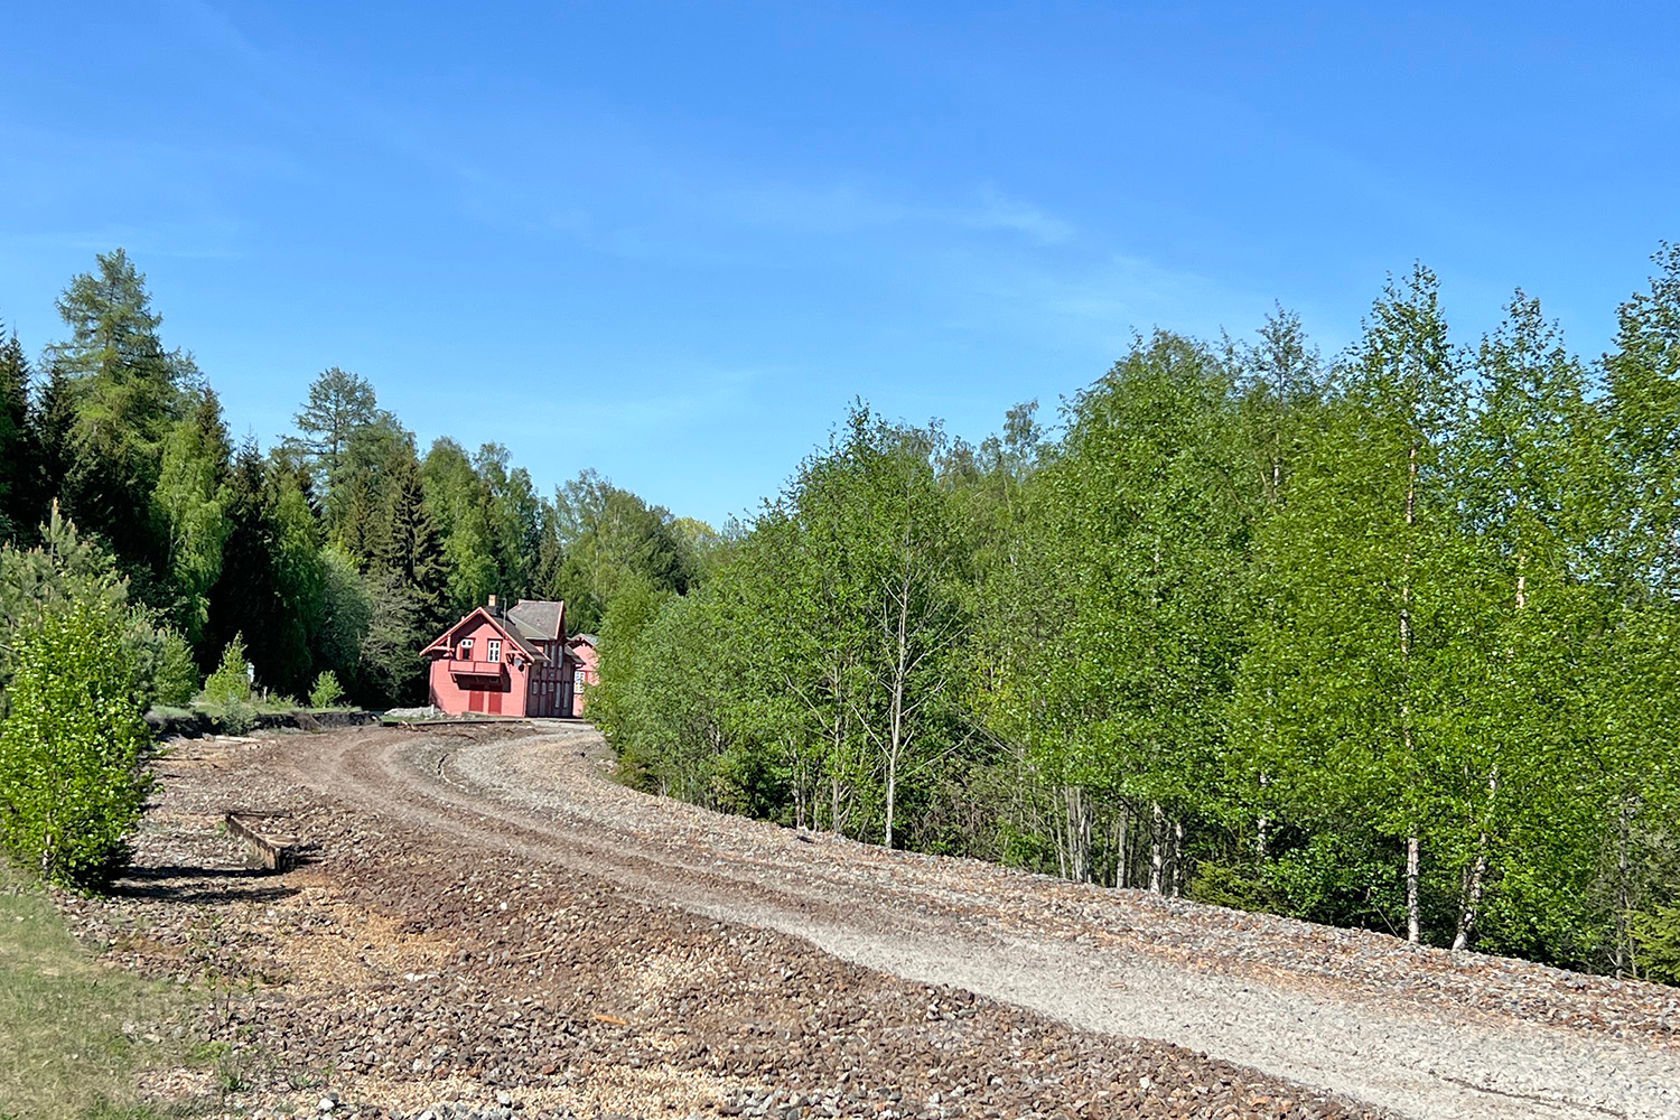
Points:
(466, 649)
(493, 649)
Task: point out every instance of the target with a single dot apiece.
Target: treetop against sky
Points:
(673, 241)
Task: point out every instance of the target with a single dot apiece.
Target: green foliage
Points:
(191, 499)
(67, 568)
(389, 656)
(231, 681)
(345, 612)
(326, 692)
(228, 694)
(1656, 941)
(167, 663)
(1234, 885)
(1341, 878)
(121, 391)
(1388, 642)
(608, 540)
(72, 783)
(1386, 639)
(18, 452)
(340, 406)
(270, 589)
(808, 679)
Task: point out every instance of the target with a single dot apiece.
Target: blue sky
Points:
(673, 241)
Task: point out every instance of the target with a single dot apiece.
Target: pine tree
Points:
(125, 392)
(340, 404)
(17, 450)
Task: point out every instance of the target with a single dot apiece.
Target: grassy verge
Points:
(77, 1035)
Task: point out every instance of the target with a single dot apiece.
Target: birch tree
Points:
(1519, 472)
(1359, 554)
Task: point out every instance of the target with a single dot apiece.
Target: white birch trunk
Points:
(1123, 848)
(1178, 859)
(1413, 859)
(1624, 894)
(1475, 877)
(1076, 832)
(1413, 843)
(1157, 846)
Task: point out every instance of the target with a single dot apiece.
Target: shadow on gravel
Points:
(211, 886)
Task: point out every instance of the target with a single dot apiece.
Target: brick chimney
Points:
(492, 604)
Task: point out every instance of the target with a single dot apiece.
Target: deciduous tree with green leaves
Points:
(72, 781)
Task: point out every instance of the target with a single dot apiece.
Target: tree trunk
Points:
(1123, 848)
(899, 634)
(1178, 858)
(835, 816)
(1624, 893)
(1475, 876)
(1408, 742)
(1076, 830)
(1468, 912)
(801, 779)
(892, 793)
(1413, 923)
(1157, 846)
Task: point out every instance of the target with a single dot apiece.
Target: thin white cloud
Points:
(1096, 304)
(209, 239)
(997, 212)
(832, 209)
(599, 413)
(841, 209)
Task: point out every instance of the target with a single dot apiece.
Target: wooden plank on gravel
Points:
(274, 853)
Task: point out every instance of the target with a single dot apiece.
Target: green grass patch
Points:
(77, 1035)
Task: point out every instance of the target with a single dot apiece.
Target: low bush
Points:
(1656, 942)
(231, 681)
(227, 691)
(72, 780)
(326, 692)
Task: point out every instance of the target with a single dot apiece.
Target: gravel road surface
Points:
(485, 912)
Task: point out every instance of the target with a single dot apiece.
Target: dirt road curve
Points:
(488, 865)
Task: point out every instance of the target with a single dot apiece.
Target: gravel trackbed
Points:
(482, 917)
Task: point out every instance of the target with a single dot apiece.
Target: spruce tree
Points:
(253, 595)
(17, 451)
(411, 549)
(51, 424)
(125, 392)
(191, 500)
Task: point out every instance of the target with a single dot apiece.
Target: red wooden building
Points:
(586, 648)
(512, 663)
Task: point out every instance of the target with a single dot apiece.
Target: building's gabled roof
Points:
(519, 641)
(538, 620)
(587, 639)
